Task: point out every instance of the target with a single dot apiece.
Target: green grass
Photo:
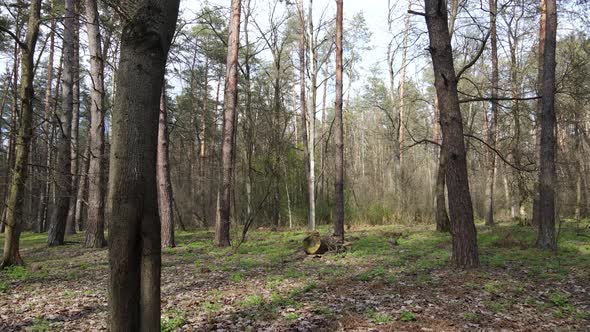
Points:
(407, 316)
(40, 325)
(378, 317)
(265, 278)
(471, 316)
(252, 301)
(172, 321)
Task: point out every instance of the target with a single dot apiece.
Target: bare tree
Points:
(465, 252)
(492, 123)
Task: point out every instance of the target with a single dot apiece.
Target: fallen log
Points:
(314, 244)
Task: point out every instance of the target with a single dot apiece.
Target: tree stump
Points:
(314, 244)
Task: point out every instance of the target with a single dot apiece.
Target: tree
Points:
(303, 106)
(14, 214)
(75, 131)
(229, 128)
(547, 175)
(63, 178)
(134, 238)
(96, 169)
(339, 131)
(465, 252)
(491, 130)
(163, 177)
(42, 217)
(536, 219)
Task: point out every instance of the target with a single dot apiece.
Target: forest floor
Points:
(268, 284)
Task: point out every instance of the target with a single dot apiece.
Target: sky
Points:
(374, 11)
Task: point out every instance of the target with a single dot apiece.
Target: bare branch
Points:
(476, 57)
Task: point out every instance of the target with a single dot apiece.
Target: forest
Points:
(294, 165)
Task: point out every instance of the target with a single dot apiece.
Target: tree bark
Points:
(536, 219)
(75, 143)
(82, 189)
(163, 177)
(134, 228)
(63, 177)
(465, 253)
(339, 131)
(96, 169)
(547, 176)
(14, 214)
(222, 238)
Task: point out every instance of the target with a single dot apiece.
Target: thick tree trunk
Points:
(491, 132)
(465, 252)
(96, 169)
(547, 177)
(134, 229)
(163, 177)
(63, 177)
(229, 128)
(339, 131)
(14, 214)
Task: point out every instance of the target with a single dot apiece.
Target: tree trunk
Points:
(547, 176)
(163, 177)
(491, 132)
(402, 83)
(134, 229)
(14, 214)
(229, 127)
(96, 169)
(82, 189)
(536, 219)
(313, 71)
(465, 252)
(63, 177)
(339, 131)
(75, 143)
(302, 104)
(47, 128)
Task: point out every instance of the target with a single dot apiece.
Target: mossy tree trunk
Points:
(14, 208)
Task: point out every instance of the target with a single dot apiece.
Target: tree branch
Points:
(498, 99)
(15, 37)
(520, 169)
(476, 57)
